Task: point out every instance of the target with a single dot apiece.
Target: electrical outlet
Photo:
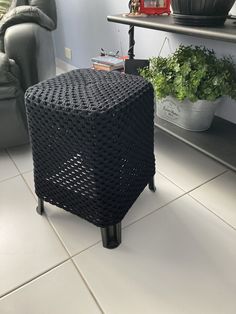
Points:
(68, 53)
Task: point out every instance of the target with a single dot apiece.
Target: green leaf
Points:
(192, 73)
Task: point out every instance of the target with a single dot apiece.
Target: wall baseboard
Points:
(64, 65)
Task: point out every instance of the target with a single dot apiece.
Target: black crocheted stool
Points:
(92, 137)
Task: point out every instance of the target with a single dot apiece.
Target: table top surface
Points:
(166, 23)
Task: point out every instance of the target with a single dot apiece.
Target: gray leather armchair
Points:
(26, 58)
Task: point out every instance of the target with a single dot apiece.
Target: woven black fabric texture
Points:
(92, 135)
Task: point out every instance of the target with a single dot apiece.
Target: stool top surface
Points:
(88, 91)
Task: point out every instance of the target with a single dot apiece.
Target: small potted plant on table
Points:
(189, 85)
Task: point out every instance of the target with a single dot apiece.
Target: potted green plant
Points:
(201, 13)
(189, 84)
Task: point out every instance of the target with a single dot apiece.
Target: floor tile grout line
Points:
(57, 234)
(184, 194)
(160, 173)
(212, 179)
(168, 203)
(86, 249)
(33, 279)
(70, 256)
(54, 229)
(88, 287)
(97, 242)
(128, 225)
(27, 172)
(156, 210)
(45, 214)
(133, 222)
(12, 159)
(171, 180)
(211, 211)
(150, 213)
(9, 178)
(189, 191)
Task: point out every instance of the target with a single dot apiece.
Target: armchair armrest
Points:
(31, 46)
(26, 13)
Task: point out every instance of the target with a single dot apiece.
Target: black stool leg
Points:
(40, 207)
(151, 185)
(111, 236)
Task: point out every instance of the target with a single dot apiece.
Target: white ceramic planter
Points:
(191, 116)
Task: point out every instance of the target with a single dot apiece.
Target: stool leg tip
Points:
(111, 236)
(40, 207)
(151, 185)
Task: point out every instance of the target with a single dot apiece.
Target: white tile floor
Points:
(178, 253)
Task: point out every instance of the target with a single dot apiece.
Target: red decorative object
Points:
(155, 6)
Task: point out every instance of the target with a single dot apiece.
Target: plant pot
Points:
(190, 116)
(201, 12)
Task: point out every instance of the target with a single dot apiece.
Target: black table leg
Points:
(131, 42)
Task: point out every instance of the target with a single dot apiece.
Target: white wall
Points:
(83, 27)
